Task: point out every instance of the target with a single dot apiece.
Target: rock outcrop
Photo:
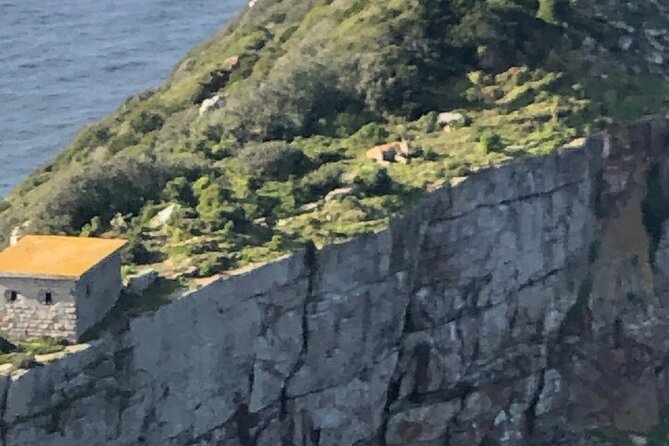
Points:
(524, 306)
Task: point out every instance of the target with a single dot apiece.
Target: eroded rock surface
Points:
(524, 306)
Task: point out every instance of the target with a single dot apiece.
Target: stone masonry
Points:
(524, 306)
(74, 304)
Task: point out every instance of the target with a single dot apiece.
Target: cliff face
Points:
(524, 305)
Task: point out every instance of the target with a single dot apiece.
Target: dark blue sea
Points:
(67, 63)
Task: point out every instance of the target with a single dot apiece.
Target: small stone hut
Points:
(57, 286)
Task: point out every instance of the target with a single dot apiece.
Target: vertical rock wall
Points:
(523, 306)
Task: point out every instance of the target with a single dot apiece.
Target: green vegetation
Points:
(306, 88)
(609, 435)
(658, 435)
(594, 251)
(488, 441)
(634, 298)
(24, 351)
(551, 10)
(655, 209)
(577, 316)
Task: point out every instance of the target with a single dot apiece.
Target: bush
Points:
(373, 180)
(122, 185)
(23, 360)
(274, 160)
(211, 263)
(147, 122)
(321, 181)
(6, 346)
(221, 150)
(490, 141)
(372, 133)
(552, 11)
(213, 204)
(179, 190)
(93, 228)
(427, 123)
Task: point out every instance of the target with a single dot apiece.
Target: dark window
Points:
(11, 295)
(88, 290)
(48, 298)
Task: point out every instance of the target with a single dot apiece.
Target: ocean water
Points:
(67, 63)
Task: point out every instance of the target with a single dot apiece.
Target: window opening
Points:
(11, 295)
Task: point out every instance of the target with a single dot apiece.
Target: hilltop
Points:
(257, 143)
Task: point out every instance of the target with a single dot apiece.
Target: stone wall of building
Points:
(524, 306)
(97, 291)
(30, 316)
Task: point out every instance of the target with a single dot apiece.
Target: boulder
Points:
(212, 103)
(216, 79)
(452, 119)
(309, 207)
(141, 281)
(655, 58)
(625, 43)
(118, 222)
(339, 193)
(638, 440)
(163, 217)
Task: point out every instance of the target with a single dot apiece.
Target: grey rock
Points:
(422, 424)
(140, 282)
(482, 314)
(213, 103)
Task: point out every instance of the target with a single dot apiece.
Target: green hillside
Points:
(303, 88)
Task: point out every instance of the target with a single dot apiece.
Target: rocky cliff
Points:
(523, 306)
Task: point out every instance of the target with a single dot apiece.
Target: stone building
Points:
(57, 286)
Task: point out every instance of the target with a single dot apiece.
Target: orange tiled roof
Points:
(55, 256)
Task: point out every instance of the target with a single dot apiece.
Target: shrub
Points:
(278, 243)
(93, 228)
(372, 133)
(23, 360)
(221, 150)
(552, 11)
(6, 346)
(212, 202)
(321, 181)
(373, 180)
(179, 190)
(211, 263)
(490, 141)
(147, 122)
(121, 185)
(274, 160)
(427, 123)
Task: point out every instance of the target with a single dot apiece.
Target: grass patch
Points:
(24, 355)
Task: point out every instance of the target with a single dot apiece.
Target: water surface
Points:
(70, 62)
